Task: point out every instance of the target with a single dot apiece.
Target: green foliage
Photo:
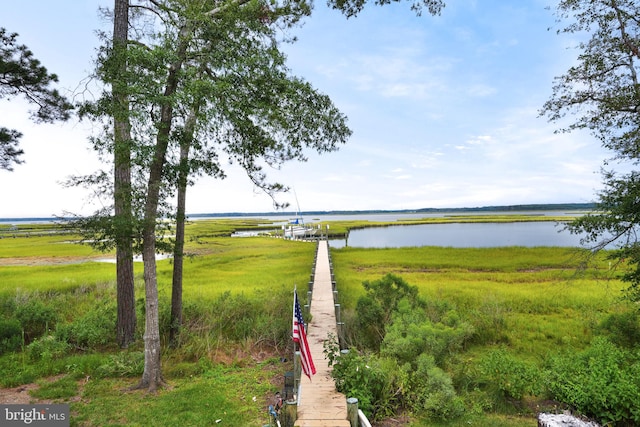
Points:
(602, 381)
(520, 296)
(122, 364)
(411, 334)
(35, 317)
(417, 337)
(238, 317)
(92, 329)
(10, 335)
(374, 309)
(22, 74)
(374, 381)
(16, 371)
(601, 89)
(623, 329)
(489, 322)
(432, 391)
(351, 8)
(509, 377)
(46, 348)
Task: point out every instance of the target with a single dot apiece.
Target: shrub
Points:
(354, 378)
(10, 335)
(602, 382)
(383, 387)
(375, 308)
(622, 329)
(432, 391)
(35, 318)
(411, 334)
(46, 349)
(94, 328)
(374, 381)
(509, 377)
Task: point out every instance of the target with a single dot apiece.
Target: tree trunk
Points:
(178, 252)
(152, 375)
(126, 317)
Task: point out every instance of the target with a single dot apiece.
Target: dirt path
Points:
(18, 395)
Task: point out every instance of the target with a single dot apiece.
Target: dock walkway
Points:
(319, 404)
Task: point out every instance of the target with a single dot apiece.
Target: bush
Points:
(354, 378)
(509, 377)
(602, 382)
(383, 388)
(10, 335)
(35, 318)
(433, 393)
(411, 334)
(375, 308)
(46, 349)
(97, 327)
(622, 329)
(372, 380)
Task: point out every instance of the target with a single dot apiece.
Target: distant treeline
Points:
(509, 208)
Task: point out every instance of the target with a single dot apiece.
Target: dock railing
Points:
(293, 414)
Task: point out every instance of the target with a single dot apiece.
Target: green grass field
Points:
(534, 300)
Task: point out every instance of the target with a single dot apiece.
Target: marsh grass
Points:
(237, 313)
(341, 228)
(237, 299)
(47, 279)
(533, 299)
(49, 246)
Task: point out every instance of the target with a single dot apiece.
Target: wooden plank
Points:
(319, 404)
(322, 423)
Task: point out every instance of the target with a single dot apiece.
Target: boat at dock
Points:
(297, 229)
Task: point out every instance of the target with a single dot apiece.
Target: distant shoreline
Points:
(506, 208)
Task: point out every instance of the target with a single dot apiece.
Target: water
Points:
(476, 235)
(544, 233)
(461, 235)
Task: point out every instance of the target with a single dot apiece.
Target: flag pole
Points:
(293, 307)
(297, 368)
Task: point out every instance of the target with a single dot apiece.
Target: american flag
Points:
(300, 336)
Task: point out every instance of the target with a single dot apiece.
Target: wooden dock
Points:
(319, 404)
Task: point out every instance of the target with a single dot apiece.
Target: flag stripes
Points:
(300, 336)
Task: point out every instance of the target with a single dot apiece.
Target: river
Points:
(489, 234)
(461, 235)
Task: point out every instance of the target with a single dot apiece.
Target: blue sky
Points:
(444, 112)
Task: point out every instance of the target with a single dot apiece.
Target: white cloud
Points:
(443, 109)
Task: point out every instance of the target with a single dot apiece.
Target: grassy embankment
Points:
(529, 298)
